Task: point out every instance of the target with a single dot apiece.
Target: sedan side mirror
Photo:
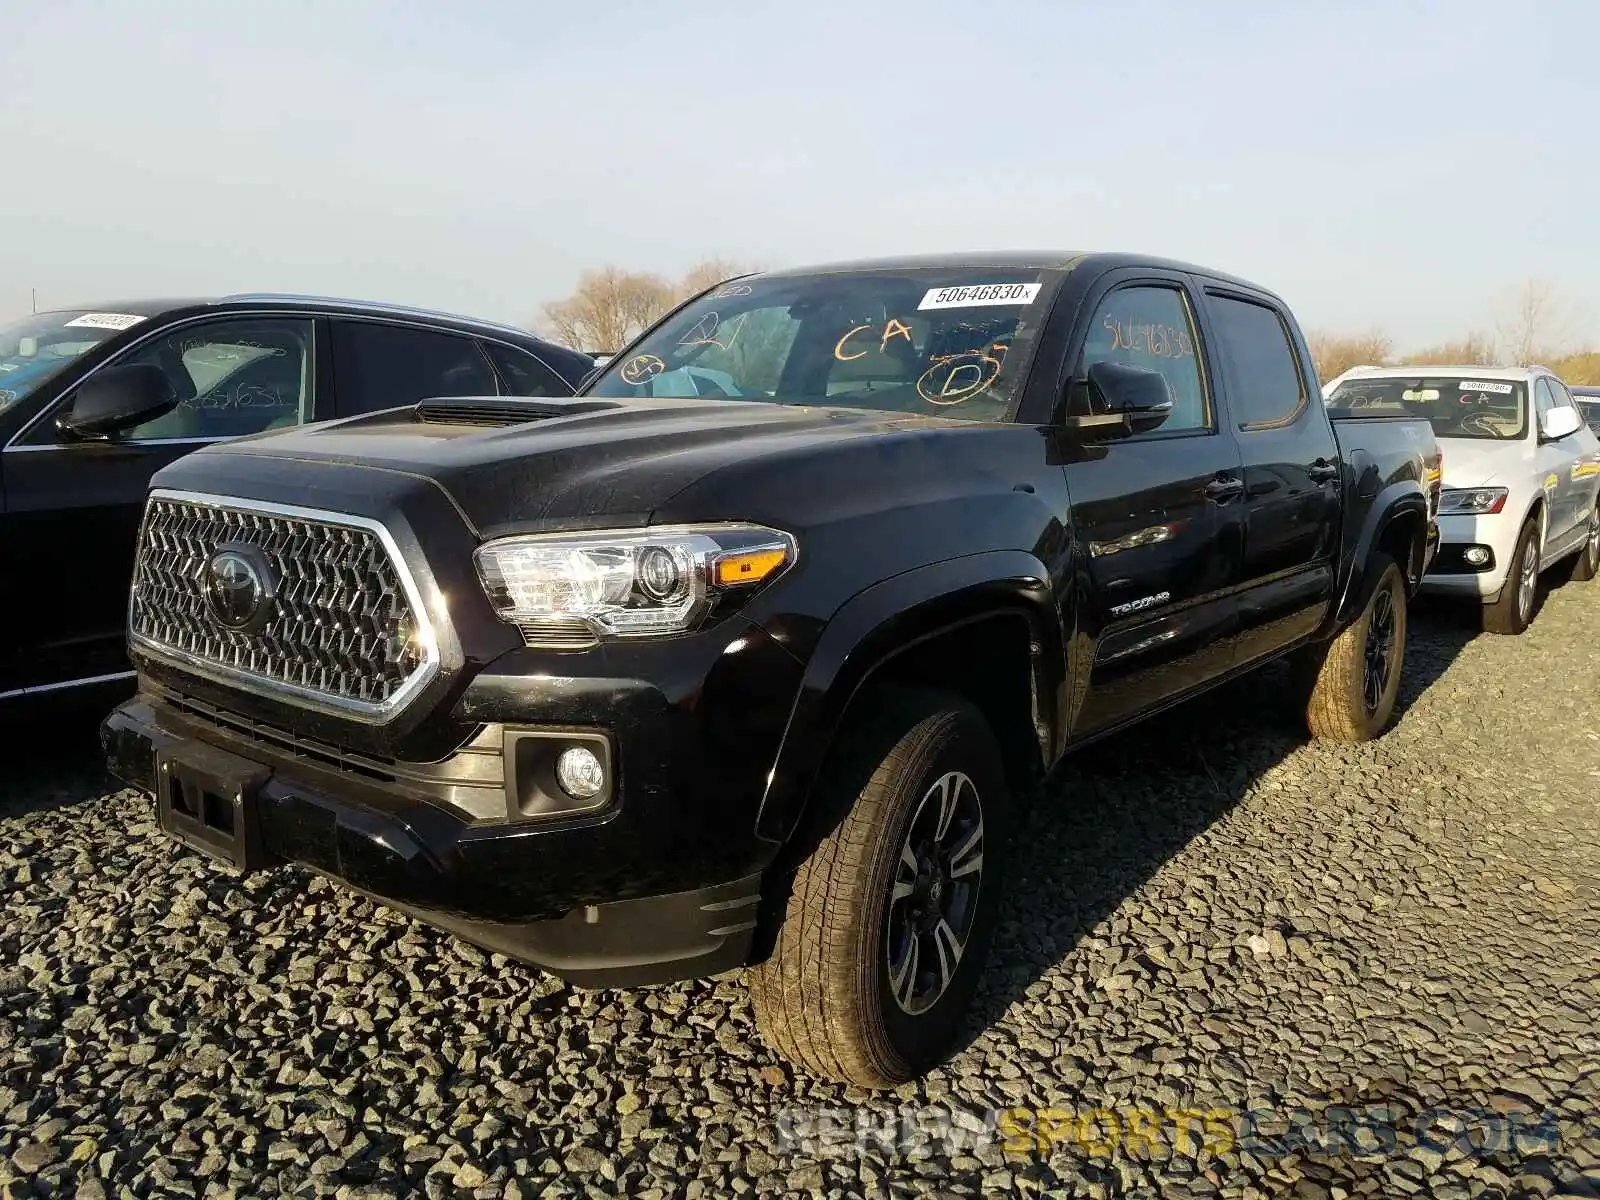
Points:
(1559, 423)
(118, 398)
(1125, 400)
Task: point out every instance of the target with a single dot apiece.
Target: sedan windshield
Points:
(932, 342)
(1456, 406)
(36, 349)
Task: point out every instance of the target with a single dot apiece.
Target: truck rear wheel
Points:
(890, 916)
(1513, 612)
(1354, 679)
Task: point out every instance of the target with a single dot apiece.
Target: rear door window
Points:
(1265, 387)
(386, 366)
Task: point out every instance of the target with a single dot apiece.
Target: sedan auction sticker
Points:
(1470, 385)
(104, 321)
(974, 295)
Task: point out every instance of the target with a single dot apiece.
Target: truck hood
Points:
(580, 462)
(1479, 462)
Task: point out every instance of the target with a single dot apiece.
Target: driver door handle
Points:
(1322, 471)
(1223, 488)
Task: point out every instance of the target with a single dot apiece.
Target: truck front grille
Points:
(342, 628)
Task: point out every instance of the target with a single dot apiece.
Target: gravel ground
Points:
(1215, 916)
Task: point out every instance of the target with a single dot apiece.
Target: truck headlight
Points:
(1476, 501)
(566, 590)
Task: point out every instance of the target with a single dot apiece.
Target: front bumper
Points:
(1450, 574)
(567, 896)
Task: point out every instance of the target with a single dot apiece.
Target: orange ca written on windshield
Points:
(935, 342)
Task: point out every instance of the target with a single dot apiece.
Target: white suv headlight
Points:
(1473, 501)
(569, 589)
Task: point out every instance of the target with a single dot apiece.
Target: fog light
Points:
(1476, 555)
(580, 774)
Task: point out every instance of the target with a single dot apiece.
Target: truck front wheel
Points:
(889, 918)
(1353, 680)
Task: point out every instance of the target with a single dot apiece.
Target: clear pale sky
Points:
(1401, 163)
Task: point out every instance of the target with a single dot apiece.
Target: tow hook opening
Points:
(204, 807)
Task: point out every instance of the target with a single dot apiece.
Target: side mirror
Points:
(118, 398)
(1125, 400)
(1559, 423)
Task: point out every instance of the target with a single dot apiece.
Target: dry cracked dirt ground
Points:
(1274, 968)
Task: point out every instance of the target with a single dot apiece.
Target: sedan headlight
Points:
(569, 589)
(1474, 501)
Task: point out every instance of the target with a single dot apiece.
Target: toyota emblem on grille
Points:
(240, 588)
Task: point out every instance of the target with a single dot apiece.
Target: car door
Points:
(383, 364)
(1553, 461)
(1583, 471)
(1157, 514)
(74, 506)
(1292, 477)
(1576, 488)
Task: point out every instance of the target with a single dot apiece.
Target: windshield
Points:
(1456, 406)
(933, 342)
(36, 349)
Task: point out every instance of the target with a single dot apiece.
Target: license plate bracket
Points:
(209, 800)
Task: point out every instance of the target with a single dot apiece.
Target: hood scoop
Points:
(499, 411)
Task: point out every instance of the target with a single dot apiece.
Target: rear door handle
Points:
(1322, 471)
(1223, 488)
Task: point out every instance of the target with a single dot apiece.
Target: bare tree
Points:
(1536, 324)
(610, 307)
(1336, 353)
(708, 273)
(1476, 350)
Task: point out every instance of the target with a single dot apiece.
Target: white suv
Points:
(1521, 477)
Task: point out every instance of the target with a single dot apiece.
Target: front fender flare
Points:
(888, 618)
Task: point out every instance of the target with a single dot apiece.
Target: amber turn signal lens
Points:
(755, 565)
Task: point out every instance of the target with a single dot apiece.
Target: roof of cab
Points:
(1012, 260)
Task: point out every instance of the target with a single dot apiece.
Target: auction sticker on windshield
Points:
(1470, 385)
(104, 321)
(972, 295)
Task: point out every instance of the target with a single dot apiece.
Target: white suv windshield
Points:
(1457, 406)
(36, 349)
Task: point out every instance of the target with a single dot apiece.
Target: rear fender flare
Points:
(886, 620)
(1401, 500)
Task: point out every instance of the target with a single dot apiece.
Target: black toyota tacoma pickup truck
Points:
(745, 654)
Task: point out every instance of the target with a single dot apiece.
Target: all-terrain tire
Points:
(1511, 614)
(825, 998)
(1339, 706)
